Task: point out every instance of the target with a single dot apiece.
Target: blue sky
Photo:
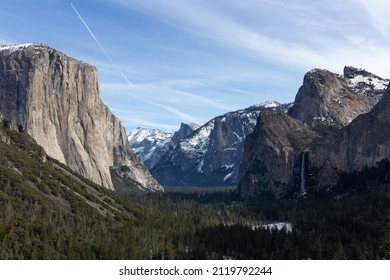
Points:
(162, 62)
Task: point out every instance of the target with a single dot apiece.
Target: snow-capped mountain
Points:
(151, 144)
(211, 155)
(145, 143)
(365, 83)
(334, 99)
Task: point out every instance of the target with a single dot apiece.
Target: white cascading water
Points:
(303, 190)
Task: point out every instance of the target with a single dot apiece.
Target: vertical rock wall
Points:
(56, 100)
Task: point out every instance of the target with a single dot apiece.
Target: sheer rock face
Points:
(184, 130)
(326, 97)
(56, 100)
(273, 154)
(363, 143)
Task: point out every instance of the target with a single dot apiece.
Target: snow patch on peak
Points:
(198, 143)
(139, 135)
(364, 82)
(146, 142)
(270, 104)
(376, 82)
(14, 48)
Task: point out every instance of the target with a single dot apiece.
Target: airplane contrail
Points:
(100, 45)
(90, 32)
(125, 78)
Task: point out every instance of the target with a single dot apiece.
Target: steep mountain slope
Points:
(48, 211)
(274, 155)
(210, 155)
(151, 144)
(329, 98)
(185, 130)
(363, 143)
(55, 99)
(365, 83)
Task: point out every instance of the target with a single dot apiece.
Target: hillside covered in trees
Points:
(49, 212)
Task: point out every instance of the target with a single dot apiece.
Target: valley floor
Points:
(46, 212)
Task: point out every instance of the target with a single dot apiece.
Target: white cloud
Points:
(379, 11)
(306, 34)
(158, 95)
(240, 52)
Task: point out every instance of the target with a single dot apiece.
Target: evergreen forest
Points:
(47, 211)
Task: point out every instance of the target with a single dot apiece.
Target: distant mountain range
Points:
(209, 155)
(277, 154)
(337, 124)
(151, 144)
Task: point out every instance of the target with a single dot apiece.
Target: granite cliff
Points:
(363, 143)
(274, 154)
(331, 128)
(55, 99)
(326, 97)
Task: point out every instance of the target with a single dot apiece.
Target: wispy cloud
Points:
(154, 93)
(185, 117)
(220, 55)
(379, 12)
(154, 96)
(134, 118)
(304, 35)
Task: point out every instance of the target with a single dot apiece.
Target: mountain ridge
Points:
(151, 144)
(211, 154)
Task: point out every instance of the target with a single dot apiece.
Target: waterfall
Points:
(303, 190)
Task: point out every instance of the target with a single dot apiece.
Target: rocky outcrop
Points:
(274, 154)
(329, 98)
(184, 130)
(363, 143)
(365, 83)
(55, 99)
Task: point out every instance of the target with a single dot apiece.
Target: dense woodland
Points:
(49, 212)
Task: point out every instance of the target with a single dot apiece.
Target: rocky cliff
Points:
(185, 130)
(55, 99)
(274, 155)
(329, 98)
(363, 143)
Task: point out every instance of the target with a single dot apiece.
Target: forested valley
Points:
(48, 211)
